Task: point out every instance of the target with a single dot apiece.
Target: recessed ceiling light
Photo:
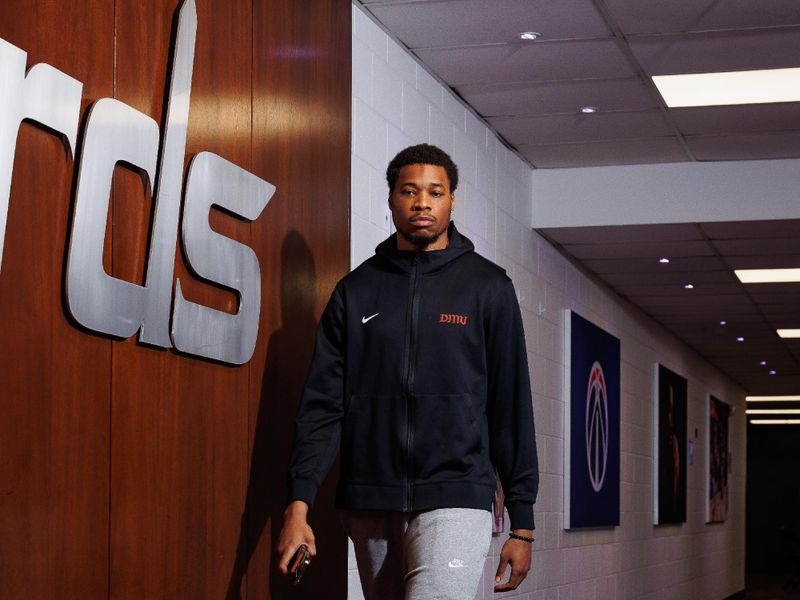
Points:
(768, 275)
(772, 398)
(664, 260)
(772, 372)
(735, 87)
(529, 36)
(590, 110)
(775, 421)
(763, 363)
(723, 322)
(773, 411)
(740, 339)
(789, 333)
(689, 286)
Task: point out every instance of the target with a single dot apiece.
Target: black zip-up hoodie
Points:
(420, 380)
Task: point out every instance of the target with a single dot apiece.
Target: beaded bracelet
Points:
(516, 536)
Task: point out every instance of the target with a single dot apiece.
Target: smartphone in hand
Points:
(299, 563)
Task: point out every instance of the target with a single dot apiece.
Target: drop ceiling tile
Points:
(472, 22)
(758, 246)
(709, 301)
(578, 127)
(656, 277)
(746, 147)
(773, 261)
(734, 120)
(579, 59)
(711, 325)
(639, 250)
(784, 228)
(620, 152)
(720, 51)
(622, 233)
(634, 16)
(636, 265)
(531, 99)
(640, 290)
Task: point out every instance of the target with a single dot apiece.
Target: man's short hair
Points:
(422, 154)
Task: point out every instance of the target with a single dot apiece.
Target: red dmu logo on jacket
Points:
(453, 319)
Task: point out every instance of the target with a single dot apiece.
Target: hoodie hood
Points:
(427, 261)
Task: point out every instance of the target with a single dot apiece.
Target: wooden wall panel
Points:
(301, 142)
(135, 472)
(54, 379)
(179, 424)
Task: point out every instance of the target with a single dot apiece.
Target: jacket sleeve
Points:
(318, 422)
(510, 411)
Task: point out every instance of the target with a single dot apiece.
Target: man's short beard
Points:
(422, 241)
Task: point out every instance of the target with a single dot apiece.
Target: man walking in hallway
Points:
(420, 381)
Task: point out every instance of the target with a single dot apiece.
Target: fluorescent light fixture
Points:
(775, 421)
(768, 275)
(789, 333)
(773, 411)
(773, 398)
(734, 87)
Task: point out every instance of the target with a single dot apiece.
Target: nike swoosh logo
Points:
(456, 563)
(365, 319)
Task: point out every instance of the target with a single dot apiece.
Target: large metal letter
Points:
(45, 95)
(161, 262)
(197, 329)
(115, 132)
(119, 133)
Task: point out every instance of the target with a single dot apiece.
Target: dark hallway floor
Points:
(770, 587)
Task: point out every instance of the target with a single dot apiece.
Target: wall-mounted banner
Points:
(116, 133)
(717, 460)
(591, 436)
(670, 447)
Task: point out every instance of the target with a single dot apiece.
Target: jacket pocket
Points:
(450, 440)
(372, 440)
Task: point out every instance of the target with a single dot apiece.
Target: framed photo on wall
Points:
(717, 460)
(670, 447)
(592, 425)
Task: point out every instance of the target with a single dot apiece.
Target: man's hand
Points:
(295, 532)
(517, 553)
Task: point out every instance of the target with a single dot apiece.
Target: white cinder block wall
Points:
(397, 103)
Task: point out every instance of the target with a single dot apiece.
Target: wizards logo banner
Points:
(592, 478)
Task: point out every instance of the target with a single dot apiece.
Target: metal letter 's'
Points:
(45, 95)
(115, 132)
(198, 329)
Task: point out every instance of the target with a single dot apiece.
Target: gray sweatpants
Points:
(431, 555)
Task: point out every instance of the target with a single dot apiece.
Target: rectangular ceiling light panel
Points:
(735, 87)
(789, 333)
(775, 421)
(768, 275)
(773, 398)
(773, 411)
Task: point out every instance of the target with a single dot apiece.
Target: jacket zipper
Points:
(408, 501)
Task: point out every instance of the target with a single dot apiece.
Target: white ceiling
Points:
(602, 53)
